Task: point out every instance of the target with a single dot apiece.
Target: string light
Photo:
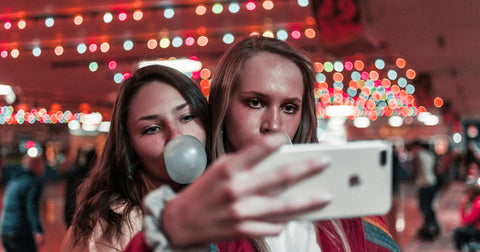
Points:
(78, 20)
(22, 24)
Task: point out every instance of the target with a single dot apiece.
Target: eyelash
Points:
(250, 102)
(155, 128)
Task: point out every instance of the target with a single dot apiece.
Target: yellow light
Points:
(15, 53)
(138, 15)
(152, 43)
(22, 24)
(58, 50)
(201, 10)
(104, 47)
(78, 20)
(164, 42)
(202, 41)
(267, 4)
(268, 34)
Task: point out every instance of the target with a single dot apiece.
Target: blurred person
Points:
(469, 214)
(262, 87)
(75, 175)
(21, 226)
(423, 173)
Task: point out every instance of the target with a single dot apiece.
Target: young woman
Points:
(262, 88)
(153, 106)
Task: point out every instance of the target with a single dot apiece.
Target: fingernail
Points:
(322, 161)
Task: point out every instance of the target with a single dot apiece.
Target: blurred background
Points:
(393, 70)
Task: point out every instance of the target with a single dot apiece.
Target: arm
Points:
(229, 202)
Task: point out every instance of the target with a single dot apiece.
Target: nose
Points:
(271, 122)
(173, 131)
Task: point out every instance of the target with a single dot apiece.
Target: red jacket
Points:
(364, 234)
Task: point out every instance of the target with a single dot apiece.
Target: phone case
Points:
(359, 177)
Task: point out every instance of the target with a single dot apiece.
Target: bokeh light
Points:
(22, 24)
(169, 13)
(122, 16)
(112, 65)
(104, 47)
(7, 25)
(310, 33)
(189, 41)
(202, 41)
(81, 48)
(78, 20)
(93, 66)
(438, 102)
(152, 44)
(234, 7)
(177, 42)
(282, 34)
(164, 43)
(107, 17)
(49, 22)
(296, 34)
(250, 5)
(217, 8)
(302, 3)
(228, 38)
(200, 10)
(267, 4)
(137, 15)
(128, 45)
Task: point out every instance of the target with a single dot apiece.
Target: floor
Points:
(403, 220)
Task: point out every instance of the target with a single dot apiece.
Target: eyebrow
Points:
(264, 96)
(154, 116)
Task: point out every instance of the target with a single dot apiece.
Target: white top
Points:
(296, 236)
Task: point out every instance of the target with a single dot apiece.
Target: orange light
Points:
(201, 10)
(78, 20)
(22, 24)
(411, 74)
(104, 47)
(137, 15)
(353, 84)
(438, 102)
(310, 33)
(267, 4)
(152, 43)
(205, 73)
(400, 63)
(202, 41)
(58, 50)
(318, 67)
(358, 65)
(338, 77)
(204, 83)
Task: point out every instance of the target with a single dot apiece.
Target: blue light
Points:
(49, 22)
(282, 35)
(402, 82)
(380, 64)
(128, 45)
(351, 92)
(81, 48)
(36, 51)
(338, 66)
(392, 74)
(410, 89)
(356, 76)
(228, 38)
(118, 77)
(337, 84)
(169, 13)
(303, 3)
(177, 42)
(321, 77)
(234, 7)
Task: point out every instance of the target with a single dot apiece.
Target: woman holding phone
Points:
(261, 89)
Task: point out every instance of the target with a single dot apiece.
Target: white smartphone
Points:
(359, 177)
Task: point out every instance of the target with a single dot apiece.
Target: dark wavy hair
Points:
(117, 176)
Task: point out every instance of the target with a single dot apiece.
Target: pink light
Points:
(348, 65)
(189, 41)
(126, 75)
(4, 54)
(250, 5)
(194, 58)
(112, 65)
(122, 16)
(296, 34)
(92, 47)
(7, 25)
(365, 75)
(30, 144)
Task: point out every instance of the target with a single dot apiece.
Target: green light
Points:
(217, 8)
(93, 66)
(328, 66)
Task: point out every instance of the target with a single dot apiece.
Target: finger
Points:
(248, 157)
(278, 180)
(262, 207)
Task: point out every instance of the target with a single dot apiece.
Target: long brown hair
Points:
(118, 177)
(226, 79)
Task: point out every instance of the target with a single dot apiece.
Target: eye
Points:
(290, 108)
(152, 130)
(254, 103)
(188, 118)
